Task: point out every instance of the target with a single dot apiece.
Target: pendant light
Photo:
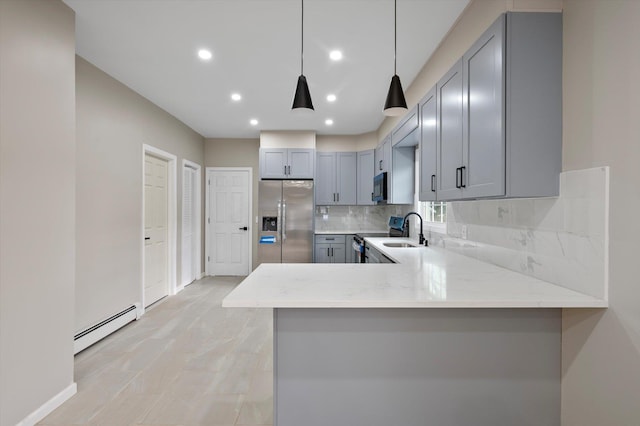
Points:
(302, 98)
(395, 104)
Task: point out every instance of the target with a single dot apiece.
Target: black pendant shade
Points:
(395, 104)
(302, 98)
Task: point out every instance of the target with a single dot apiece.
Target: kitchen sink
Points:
(399, 245)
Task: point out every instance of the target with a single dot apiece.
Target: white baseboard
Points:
(139, 310)
(202, 275)
(46, 408)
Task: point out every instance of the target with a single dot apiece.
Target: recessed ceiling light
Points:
(236, 96)
(335, 55)
(328, 122)
(205, 54)
(253, 122)
(331, 97)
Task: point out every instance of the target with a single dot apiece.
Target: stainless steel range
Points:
(359, 247)
(396, 229)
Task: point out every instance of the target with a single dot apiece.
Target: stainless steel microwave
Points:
(380, 188)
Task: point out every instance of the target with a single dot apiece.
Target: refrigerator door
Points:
(269, 221)
(297, 219)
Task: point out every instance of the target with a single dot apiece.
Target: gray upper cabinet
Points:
(406, 132)
(346, 177)
(449, 136)
(483, 172)
(336, 178)
(428, 147)
(325, 182)
(287, 163)
(499, 113)
(533, 96)
(365, 170)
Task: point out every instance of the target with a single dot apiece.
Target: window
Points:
(435, 212)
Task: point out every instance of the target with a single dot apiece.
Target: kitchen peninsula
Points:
(362, 344)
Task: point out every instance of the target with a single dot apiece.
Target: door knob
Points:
(244, 228)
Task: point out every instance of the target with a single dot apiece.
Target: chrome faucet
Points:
(421, 238)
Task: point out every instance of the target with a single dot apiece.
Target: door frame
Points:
(207, 224)
(172, 205)
(197, 219)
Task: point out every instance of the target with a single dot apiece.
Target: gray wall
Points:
(237, 153)
(37, 195)
(113, 123)
(601, 349)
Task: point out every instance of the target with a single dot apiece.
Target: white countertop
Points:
(424, 277)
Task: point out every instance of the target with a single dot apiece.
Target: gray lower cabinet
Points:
(330, 249)
(287, 163)
(365, 171)
(499, 114)
(336, 178)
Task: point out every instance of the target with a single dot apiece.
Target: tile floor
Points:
(187, 361)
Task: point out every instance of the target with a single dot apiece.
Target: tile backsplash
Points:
(561, 240)
(357, 218)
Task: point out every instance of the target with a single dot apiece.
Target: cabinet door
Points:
(380, 161)
(377, 167)
(273, 162)
(301, 162)
(346, 177)
(428, 147)
(350, 253)
(449, 113)
(386, 148)
(323, 253)
(325, 182)
(484, 145)
(365, 170)
(338, 254)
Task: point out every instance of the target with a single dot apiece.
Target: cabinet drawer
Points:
(330, 239)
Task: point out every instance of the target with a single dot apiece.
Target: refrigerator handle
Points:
(284, 221)
(279, 224)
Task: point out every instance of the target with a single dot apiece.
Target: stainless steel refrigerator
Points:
(285, 220)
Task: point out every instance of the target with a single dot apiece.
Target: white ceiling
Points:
(151, 46)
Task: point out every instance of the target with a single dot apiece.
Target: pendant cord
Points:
(302, 42)
(395, 34)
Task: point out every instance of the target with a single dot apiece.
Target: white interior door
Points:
(188, 232)
(228, 222)
(156, 227)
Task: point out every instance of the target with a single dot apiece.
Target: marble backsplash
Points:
(357, 218)
(561, 240)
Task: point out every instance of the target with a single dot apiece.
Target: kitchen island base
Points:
(403, 366)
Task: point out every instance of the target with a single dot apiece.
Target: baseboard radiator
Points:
(95, 333)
